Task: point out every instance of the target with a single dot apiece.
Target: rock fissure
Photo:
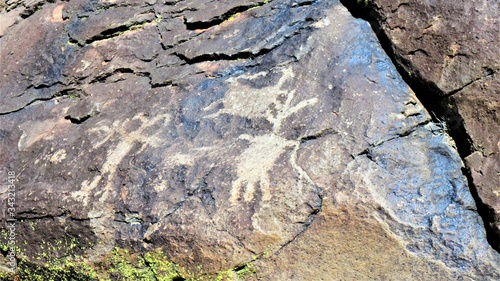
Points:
(403, 134)
(222, 229)
(243, 55)
(33, 101)
(306, 225)
(102, 78)
(199, 25)
(30, 7)
(297, 28)
(70, 91)
(222, 56)
(112, 32)
(489, 74)
(240, 241)
(399, 6)
(35, 216)
(303, 3)
(82, 118)
(318, 135)
(45, 86)
(31, 10)
(418, 51)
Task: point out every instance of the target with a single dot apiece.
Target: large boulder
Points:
(259, 140)
(452, 48)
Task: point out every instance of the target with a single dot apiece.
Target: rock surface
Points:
(275, 135)
(453, 47)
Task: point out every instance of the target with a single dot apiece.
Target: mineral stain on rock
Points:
(224, 140)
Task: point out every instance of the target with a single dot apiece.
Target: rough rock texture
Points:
(272, 133)
(453, 47)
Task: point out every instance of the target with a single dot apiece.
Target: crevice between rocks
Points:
(219, 19)
(111, 32)
(65, 93)
(241, 55)
(434, 100)
(222, 56)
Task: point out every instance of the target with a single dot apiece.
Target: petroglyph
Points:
(255, 163)
(245, 101)
(275, 104)
(122, 149)
(34, 131)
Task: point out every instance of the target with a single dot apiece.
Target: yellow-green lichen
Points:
(4, 247)
(247, 271)
(233, 17)
(121, 265)
(4, 275)
(239, 273)
(163, 269)
(124, 266)
(61, 270)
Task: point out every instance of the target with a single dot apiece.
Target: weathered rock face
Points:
(453, 47)
(272, 133)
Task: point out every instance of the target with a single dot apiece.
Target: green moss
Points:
(62, 248)
(6, 276)
(4, 247)
(120, 265)
(227, 275)
(163, 269)
(239, 273)
(73, 96)
(63, 270)
(156, 266)
(247, 271)
(127, 267)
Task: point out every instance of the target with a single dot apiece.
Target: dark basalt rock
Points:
(273, 139)
(451, 49)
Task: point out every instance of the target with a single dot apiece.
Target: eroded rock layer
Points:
(227, 133)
